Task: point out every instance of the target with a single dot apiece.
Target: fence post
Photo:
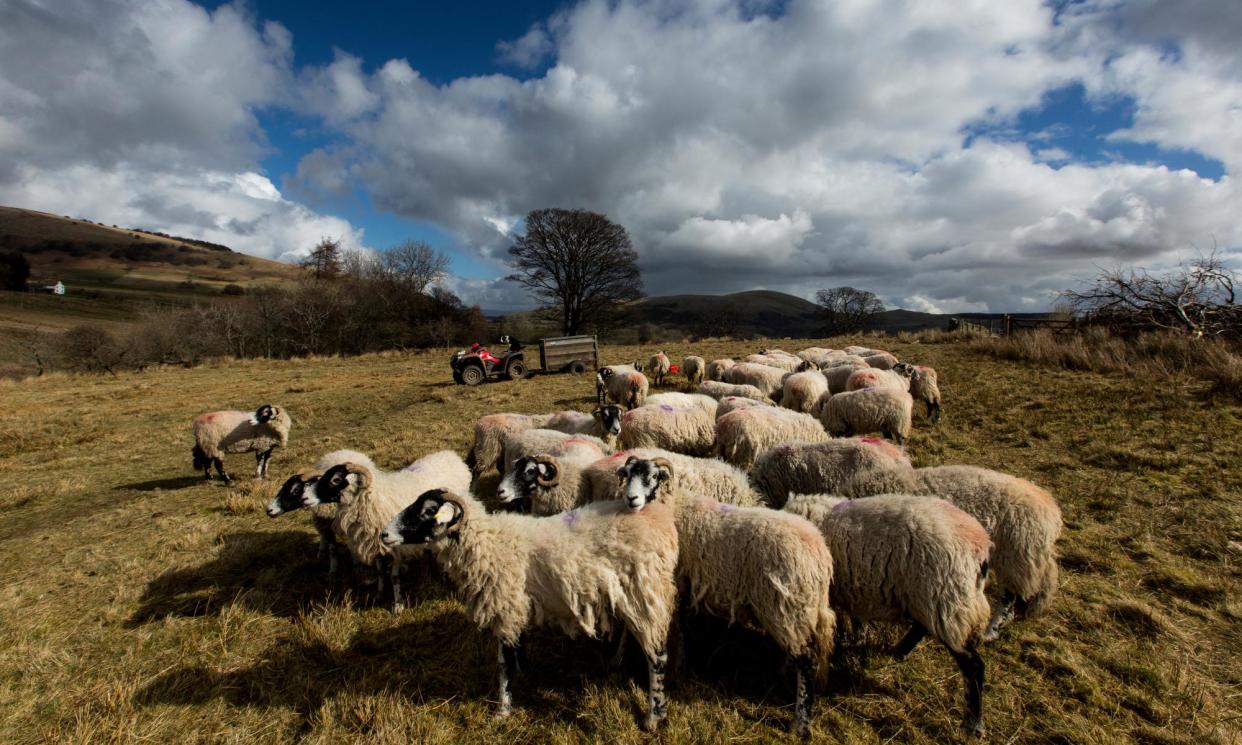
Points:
(1008, 321)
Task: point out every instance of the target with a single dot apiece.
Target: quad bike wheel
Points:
(516, 370)
(472, 375)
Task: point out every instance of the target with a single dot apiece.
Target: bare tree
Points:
(324, 260)
(414, 266)
(579, 261)
(1198, 298)
(845, 310)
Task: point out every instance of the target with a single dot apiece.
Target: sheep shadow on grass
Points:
(167, 484)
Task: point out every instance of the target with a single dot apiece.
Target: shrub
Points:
(233, 290)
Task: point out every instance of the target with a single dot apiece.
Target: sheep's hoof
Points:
(992, 634)
(652, 723)
(801, 729)
(502, 712)
(398, 607)
(973, 728)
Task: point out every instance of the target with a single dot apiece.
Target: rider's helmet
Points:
(475, 347)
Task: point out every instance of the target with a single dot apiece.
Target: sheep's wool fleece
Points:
(802, 391)
(1023, 520)
(576, 571)
(765, 378)
(839, 374)
(842, 466)
(869, 410)
(361, 518)
(718, 390)
(733, 403)
(870, 377)
(743, 434)
(220, 432)
(690, 430)
(702, 476)
(693, 368)
(548, 442)
(759, 566)
(571, 488)
(626, 384)
(925, 385)
(899, 557)
(490, 433)
(716, 368)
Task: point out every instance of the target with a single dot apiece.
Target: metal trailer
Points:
(575, 354)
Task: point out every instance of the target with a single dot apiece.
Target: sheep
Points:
(622, 385)
(535, 441)
(368, 498)
(683, 401)
(858, 351)
(604, 423)
(769, 569)
(871, 377)
(706, 477)
(693, 368)
(880, 359)
(659, 366)
(733, 403)
(881, 410)
(788, 364)
(550, 480)
(910, 559)
(689, 429)
(220, 432)
(489, 437)
(924, 386)
(802, 392)
(818, 356)
(765, 378)
(838, 375)
(831, 467)
(323, 516)
(578, 572)
(743, 434)
(715, 369)
(719, 390)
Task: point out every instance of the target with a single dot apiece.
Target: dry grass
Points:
(138, 603)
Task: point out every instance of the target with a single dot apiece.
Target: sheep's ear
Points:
(664, 469)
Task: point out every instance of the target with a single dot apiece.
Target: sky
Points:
(955, 156)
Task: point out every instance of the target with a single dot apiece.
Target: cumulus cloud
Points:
(822, 144)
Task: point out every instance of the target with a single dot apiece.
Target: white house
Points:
(56, 289)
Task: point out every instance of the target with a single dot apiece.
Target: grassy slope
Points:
(136, 601)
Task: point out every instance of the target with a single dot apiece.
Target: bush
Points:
(233, 290)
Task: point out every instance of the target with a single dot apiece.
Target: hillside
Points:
(111, 272)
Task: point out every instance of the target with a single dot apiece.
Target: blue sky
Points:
(948, 157)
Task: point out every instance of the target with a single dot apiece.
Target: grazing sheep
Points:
(733, 403)
(579, 572)
(489, 437)
(765, 378)
(719, 390)
(622, 385)
(924, 386)
(715, 368)
(768, 569)
(839, 374)
(220, 432)
(368, 498)
(788, 364)
(802, 392)
(881, 410)
(689, 429)
(830, 467)
(683, 401)
(658, 366)
(907, 559)
(706, 477)
(536, 441)
(880, 360)
(743, 434)
(872, 377)
(858, 351)
(693, 368)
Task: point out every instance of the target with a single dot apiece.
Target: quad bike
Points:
(478, 364)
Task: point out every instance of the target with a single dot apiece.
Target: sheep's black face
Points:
(904, 369)
(289, 498)
(264, 414)
(432, 517)
(335, 482)
(523, 480)
(641, 480)
(609, 418)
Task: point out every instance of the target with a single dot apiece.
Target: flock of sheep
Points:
(752, 498)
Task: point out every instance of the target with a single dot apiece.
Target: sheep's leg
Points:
(618, 657)
(258, 464)
(1004, 614)
(507, 658)
(656, 702)
(933, 410)
(397, 604)
(264, 459)
(971, 665)
(383, 566)
(911, 640)
(207, 469)
(805, 696)
(220, 469)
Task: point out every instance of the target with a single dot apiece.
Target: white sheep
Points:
(706, 477)
(689, 429)
(880, 359)
(368, 497)
(733, 403)
(577, 571)
(658, 366)
(768, 569)
(874, 377)
(924, 386)
(715, 369)
(693, 368)
(764, 377)
(786, 363)
(908, 559)
(803, 392)
(623, 385)
(743, 434)
(489, 437)
(604, 423)
(555, 494)
(535, 441)
(856, 350)
(881, 410)
(683, 401)
(219, 432)
(839, 374)
(830, 467)
(718, 390)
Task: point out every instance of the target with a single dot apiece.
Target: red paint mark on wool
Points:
(871, 440)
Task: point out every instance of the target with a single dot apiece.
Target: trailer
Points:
(575, 354)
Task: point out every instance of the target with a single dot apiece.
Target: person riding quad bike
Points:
(489, 360)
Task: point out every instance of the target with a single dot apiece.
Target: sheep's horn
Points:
(364, 474)
(556, 471)
(664, 464)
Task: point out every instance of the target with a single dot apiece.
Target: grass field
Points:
(139, 604)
